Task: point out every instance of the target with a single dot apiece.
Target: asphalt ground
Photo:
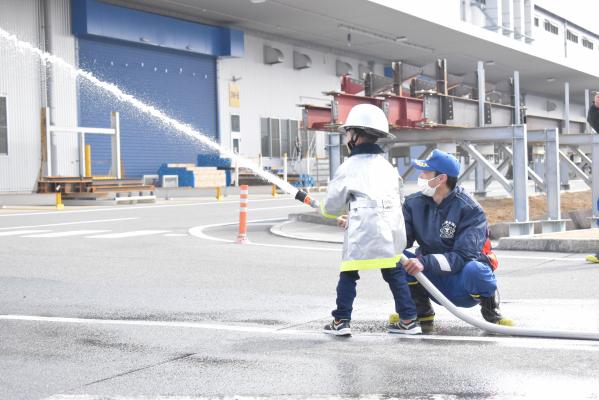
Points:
(157, 301)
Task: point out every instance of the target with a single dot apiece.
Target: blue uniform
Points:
(451, 237)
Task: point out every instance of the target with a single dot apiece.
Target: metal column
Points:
(522, 225)
(554, 222)
(479, 170)
(116, 144)
(595, 176)
(334, 148)
(587, 105)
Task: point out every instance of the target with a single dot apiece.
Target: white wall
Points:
(20, 83)
(274, 90)
(63, 89)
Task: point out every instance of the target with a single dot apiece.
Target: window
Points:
(572, 37)
(275, 138)
(3, 126)
(265, 136)
(285, 137)
(294, 142)
(549, 27)
(235, 125)
(280, 137)
(536, 21)
(587, 43)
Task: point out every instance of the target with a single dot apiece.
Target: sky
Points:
(581, 12)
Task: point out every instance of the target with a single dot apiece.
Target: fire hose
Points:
(483, 325)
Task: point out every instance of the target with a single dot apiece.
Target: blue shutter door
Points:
(181, 85)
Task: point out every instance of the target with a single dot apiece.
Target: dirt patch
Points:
(502, 210)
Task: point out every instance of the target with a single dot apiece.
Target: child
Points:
(368, 187)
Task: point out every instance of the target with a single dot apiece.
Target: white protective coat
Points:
(368, 187)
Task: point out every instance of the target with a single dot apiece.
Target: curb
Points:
(547, 244)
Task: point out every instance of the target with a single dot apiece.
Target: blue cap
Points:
(439, 161)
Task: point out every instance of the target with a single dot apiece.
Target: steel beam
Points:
(428, 150)
(489, 134)
(517, 111)
(554, 222)
(467, 171)
(506, 161)
(522, 225)
(532, 174)
(482, 161)
(582, 155)
(572, 165)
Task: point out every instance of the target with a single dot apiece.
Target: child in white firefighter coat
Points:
(367, 187)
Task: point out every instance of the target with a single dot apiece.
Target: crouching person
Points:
(454, 251)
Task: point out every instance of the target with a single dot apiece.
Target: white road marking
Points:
(540, 343)
(22, 232)
(70, 223)
(175, 234)
(147, 232)
(66, 233)
(142, 207)
(198, 231)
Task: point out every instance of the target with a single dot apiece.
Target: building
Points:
(236, 70)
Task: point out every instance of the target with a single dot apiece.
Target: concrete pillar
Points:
(479, 170)
(494, 10)
(519, 19)
(507, 8)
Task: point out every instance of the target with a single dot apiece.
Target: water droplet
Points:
(142, 64)
(166, 70)
(112, 63)
(155, 69)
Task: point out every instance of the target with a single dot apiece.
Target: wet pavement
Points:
(197, 316)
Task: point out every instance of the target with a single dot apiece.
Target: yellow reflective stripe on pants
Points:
(376, 263)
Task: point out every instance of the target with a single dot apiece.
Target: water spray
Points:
(148, 109)
(494, 328)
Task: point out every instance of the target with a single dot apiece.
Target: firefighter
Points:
(364, 196)
(454, 250)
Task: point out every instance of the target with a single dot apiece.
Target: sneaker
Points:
(406, 328)
(593, 258)
(339, 327)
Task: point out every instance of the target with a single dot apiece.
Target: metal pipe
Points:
(494, 328)
(587, 105)
(552, 181)
(520, 173)
(566, 129)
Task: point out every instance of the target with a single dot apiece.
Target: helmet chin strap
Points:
(352, 142)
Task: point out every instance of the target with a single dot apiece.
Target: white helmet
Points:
(368, 117)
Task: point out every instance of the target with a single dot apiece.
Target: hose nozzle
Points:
(306, 199)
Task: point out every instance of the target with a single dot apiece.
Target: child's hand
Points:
(342, 221)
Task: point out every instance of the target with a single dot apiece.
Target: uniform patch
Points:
(447, 230)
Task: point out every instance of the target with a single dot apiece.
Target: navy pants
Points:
(395, 277)
(475, 279)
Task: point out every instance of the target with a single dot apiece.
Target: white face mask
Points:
(425, 188)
